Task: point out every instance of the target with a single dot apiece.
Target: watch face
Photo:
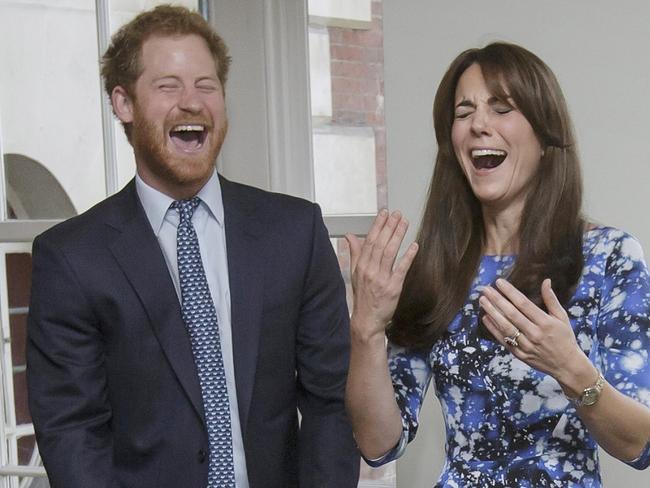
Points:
(590, 396)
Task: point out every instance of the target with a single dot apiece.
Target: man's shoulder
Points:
(265, 201)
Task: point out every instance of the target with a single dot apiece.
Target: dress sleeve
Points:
(411, 374)
(624, 325)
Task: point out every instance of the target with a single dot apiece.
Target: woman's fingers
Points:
(493, 328)
(385, 236)
(551, 301)
(372, 238)
(377, 225)
(495, 303)
(404, 264)
(375, 257)
(521, 302)
(517, 351)
(380, 248)
(496, 315)
(391, 248)
(354, 243)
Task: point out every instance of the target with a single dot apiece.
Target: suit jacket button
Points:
(201, 456)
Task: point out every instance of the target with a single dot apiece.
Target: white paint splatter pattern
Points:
(509, 425)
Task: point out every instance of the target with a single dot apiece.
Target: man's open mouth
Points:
(188, 137)
(487, 158)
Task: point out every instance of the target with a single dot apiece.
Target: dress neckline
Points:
(504, 257)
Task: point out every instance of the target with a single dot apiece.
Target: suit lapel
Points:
(139, 255)
(245, 265)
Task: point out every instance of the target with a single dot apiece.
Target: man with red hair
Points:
(177, 327)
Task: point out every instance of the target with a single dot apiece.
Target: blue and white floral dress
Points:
(508, 425)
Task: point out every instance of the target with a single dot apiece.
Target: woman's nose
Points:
(481, 122)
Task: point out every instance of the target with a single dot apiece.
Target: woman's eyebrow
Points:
(465, 103)
(494, 100)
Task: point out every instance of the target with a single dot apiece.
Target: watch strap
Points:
(589, 395)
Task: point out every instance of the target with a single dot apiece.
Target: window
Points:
(60, 149)
(348, 132)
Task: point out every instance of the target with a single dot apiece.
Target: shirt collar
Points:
(156, 204)
(210, 194)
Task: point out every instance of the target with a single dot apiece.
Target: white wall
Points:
(49, 92)
(599, 51)
(50, 105)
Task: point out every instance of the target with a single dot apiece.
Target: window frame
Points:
(16, 236)
(289, 163)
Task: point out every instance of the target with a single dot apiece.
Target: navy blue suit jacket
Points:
(113, 389)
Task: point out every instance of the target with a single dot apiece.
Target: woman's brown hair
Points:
(451, 235)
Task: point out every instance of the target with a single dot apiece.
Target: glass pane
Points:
(50, 108)
(19, 443)
(27, 455)
(33, 483)
(347, 93)
(18, 267)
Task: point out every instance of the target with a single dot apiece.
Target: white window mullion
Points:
(339, 225)
(288, 98)
(3, 182)
(24, 230)
(102, 17)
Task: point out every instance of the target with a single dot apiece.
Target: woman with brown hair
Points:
(533, 323)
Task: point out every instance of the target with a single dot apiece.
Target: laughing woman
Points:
(532, 323)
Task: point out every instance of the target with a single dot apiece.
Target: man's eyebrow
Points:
(166, 77)
(207, 77)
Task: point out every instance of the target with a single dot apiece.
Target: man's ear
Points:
(122, 104)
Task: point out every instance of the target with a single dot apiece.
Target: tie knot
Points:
(186, 208)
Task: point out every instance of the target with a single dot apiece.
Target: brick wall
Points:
(357, 70)
(18, 285)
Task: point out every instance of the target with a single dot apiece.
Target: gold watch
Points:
(591, 394)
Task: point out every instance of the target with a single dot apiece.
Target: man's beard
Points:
(150, 146)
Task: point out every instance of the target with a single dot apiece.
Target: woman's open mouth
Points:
(188, 137)
(487, 158)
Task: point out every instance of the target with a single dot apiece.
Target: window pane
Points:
(347, 93)
(19, 439)
(50, 108)
(18, 267)
(34, 483)
(347, 97)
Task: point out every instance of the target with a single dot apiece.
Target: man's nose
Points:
(190, 100)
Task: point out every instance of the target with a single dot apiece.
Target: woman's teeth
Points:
(487, 158)
(476, 153)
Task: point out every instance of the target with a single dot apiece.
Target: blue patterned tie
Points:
(201, 321)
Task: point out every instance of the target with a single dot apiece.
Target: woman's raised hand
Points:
(377, 278)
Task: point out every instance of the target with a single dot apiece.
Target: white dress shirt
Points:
(208, 221)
